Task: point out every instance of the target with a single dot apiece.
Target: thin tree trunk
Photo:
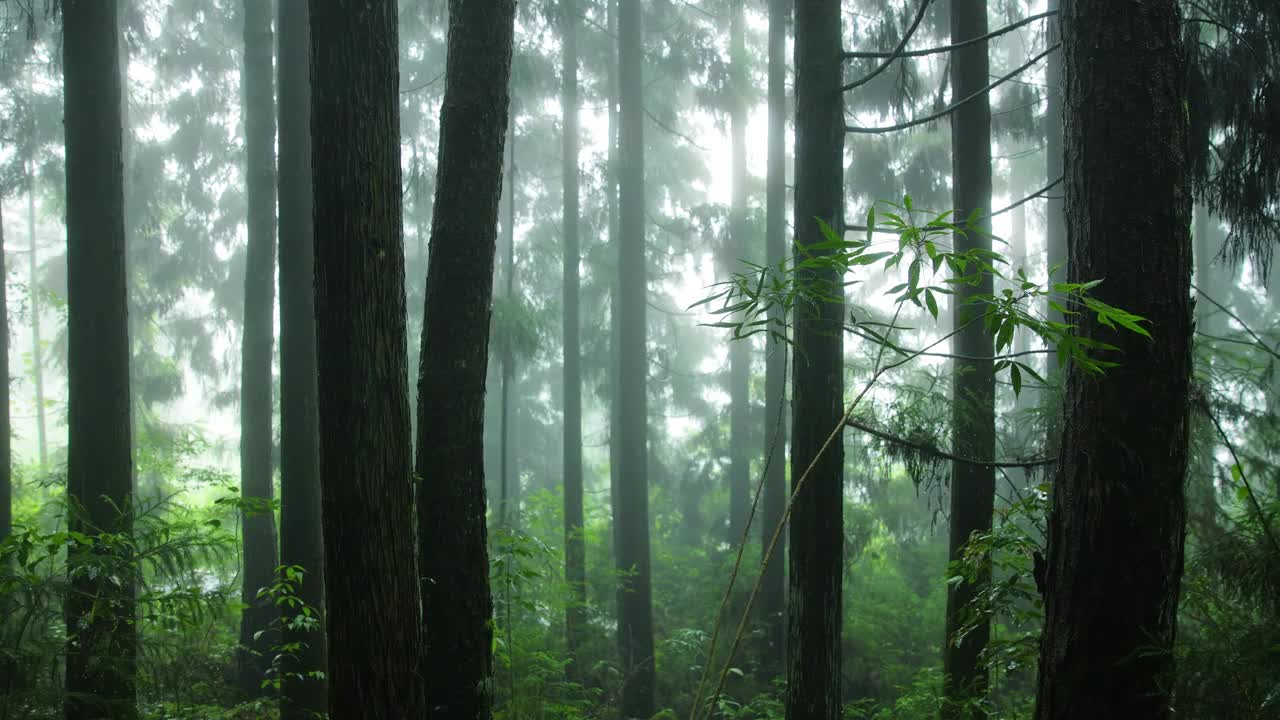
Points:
(303, 695)
(6, 455)
(371, 579)
(33, 299)
(1118, 512)
(973, 402)
(455, 351)
(635, 603)
(1055, 207)
(773, 594)
(575, 552)
(257, 635)
(508, 359)
(739, 249)
(817, 524)
(99, 609)
(611, 202)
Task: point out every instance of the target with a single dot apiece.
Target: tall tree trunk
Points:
(33, 299)
(257, 635)
(99, 609)
(455, 351)
(631, 518)
(973, 420)
(739, 249)
(575, 552)
(611, 202)
(371, 579)
(817, 522)
(303, 695)
(6, 455)
(508, 359)
(1055, 230)
(773, 593)
(1117, 520)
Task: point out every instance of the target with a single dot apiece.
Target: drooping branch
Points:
(1203, 404)
(1029, 198)
(1200, 294)
(915, 25)
(941, 454)
(954, 106)
(948, 48)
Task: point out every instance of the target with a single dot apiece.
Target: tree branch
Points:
(891, 56)
(941, 454)
(948, 48)
(951, 108)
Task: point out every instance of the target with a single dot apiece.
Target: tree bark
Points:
(257, 635)
(303, 696)
(739, 249)
(817, 523)
(1055, 207)
(631, 518)
(575, 552)
(455, 348)
(99, 609)
(773, 592)
(973, 420)
(371, 581)
(1117, 519)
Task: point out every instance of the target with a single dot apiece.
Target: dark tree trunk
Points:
(973, 402)
(1055, 208)
(575, 552)
(739, 249)
(6, 457)
(631, 512)
(1117, 520)
(371, 580)
(301, 541)
(257, 634)
(455, 352)
(773, 592)
(817, 523)
(99, 610)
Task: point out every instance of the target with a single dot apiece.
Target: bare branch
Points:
(948, 48)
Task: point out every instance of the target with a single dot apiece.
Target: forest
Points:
(640, 359)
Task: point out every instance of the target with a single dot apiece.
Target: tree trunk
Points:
(1055, 208)
(371, 581)
(33, 297)
(99, 609)
(575, 552)
(739, 249)
(1117, 520)
(257, 635)
(6, 455)
(773, 592)
(817, 523)
(508, 360)
(611, 202)
(631, 518)
(303, 696)
(455, 350)
(973, 402)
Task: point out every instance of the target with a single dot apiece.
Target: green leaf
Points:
(932, 303)
(1015, 377)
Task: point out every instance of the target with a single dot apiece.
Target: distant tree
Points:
(773, 595)
(303, 695)
(371, 578)
(1116, 524)
(817, 540)
(1055, 218)
(575, 563)
(6, 455)
(99, 607)
(739, 248)
(631, 507)
(973, 422)
(257, 633)
(452, 534)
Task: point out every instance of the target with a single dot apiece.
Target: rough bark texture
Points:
(257, 635)
(773, 592)
(99, 609)
(301, 541)
(631, 513)
(973, 402)
(1116, 524)
(371, 582)
(575, 552)
(739, 249)
(455, 348)
(817, 524)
